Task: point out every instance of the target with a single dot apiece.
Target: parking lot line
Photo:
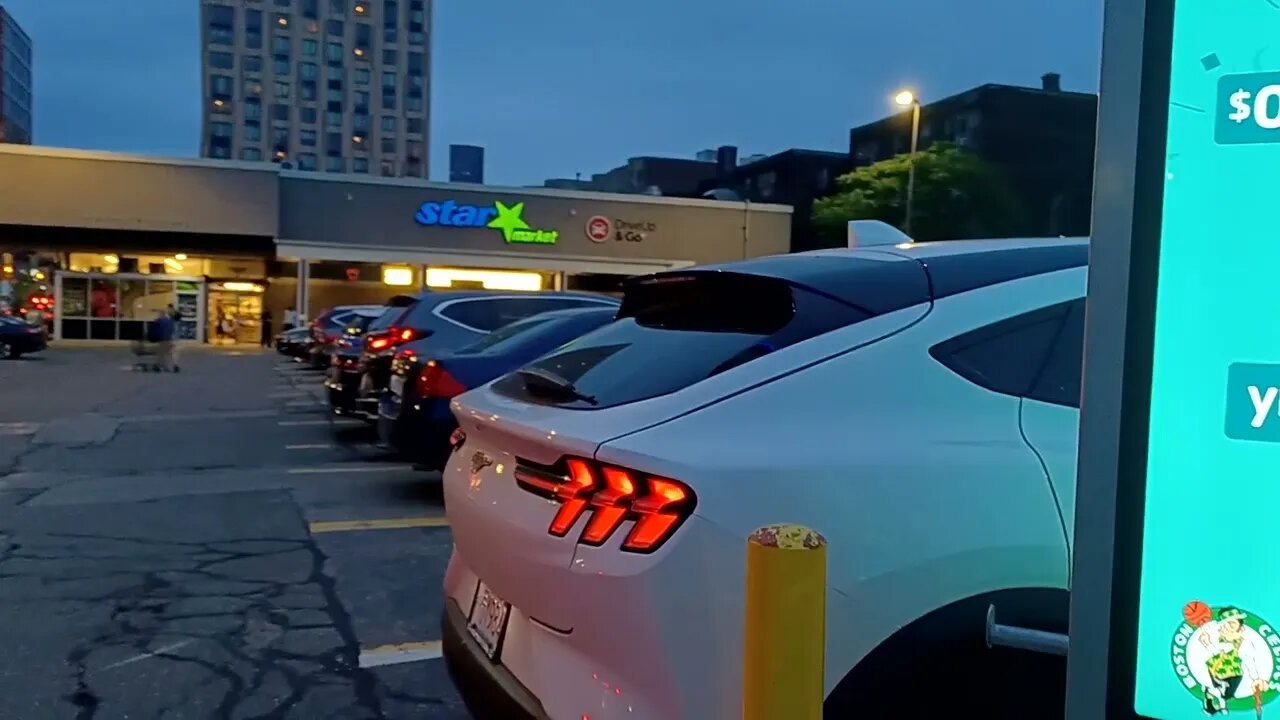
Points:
(333, 421)
(386, 524)
(401, 653)
(337, 469)
(314, 446)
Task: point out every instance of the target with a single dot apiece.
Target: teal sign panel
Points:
(1209, 590)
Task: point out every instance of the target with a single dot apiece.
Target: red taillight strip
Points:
(612, 495)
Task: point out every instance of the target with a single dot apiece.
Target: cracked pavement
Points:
(155, 557)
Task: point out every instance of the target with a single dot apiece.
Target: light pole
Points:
(907, 98)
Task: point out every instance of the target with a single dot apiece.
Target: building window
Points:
(360, 123)
(307, 138)
(280, 45)
(388, 145)
(280, 139)
(388, 99)
(333, 143)
(280, 112)
(360, 165)
(310, 9)
(413, 103)
(220, 86)
(390, 56)
(307, 161)
(389, 81)
(338, 7)
(362, 76)
(222, 24)
(252, 109)
(252, 64)
(282, 90)
(413, 125)
(220, 152)
(413, 150)
(334, 163)
(333, 53)
(222, 60)
(415, 63)
(308, 71)
(220, 129)
(251, 154)
(388, 168)
(334, 27)
(221, 106)
(282, 3)
(281, 67)
(333, 120)
(364, 36)
(335, 83)
(389, 123)
(413, 167)
(309, 47)
(361, 99)
(307, 91)
(253, 29)
(252, 132)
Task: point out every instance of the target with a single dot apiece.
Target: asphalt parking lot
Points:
(207, 544)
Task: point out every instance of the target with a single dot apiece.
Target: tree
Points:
(957, 195)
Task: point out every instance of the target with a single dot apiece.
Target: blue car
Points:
(18, 337)
(414, 415)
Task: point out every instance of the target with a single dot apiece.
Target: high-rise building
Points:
(15, 81)
(325, 85)
(466, 164)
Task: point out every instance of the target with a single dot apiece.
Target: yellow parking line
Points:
(399, 653)
(388, 524)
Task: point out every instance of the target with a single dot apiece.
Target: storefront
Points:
(233, 246)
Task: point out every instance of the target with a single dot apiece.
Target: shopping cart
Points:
(142, 350)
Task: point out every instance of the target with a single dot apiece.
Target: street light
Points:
(906, 98)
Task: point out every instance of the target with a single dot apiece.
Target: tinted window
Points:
(1008, 356)
(673, 332)
(386, 319)
(503, 334)
(1060, 382)
(489, 314)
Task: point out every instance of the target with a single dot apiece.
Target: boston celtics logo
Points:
(1229, 659)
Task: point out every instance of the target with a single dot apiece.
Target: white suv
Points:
(917, 405)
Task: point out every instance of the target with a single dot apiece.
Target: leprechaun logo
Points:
(1227, 658)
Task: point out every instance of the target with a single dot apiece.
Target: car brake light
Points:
(613, 496)
(435, 381)
(379, 343)
(405, 335)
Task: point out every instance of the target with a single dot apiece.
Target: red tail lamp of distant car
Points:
(435, 381)
(392, 338)
(611, 496)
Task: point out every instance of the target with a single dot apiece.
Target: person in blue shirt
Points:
(162, 332)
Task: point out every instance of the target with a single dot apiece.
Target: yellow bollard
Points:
(786, 613)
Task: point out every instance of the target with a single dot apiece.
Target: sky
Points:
(556, 87)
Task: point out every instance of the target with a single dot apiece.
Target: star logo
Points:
(509, 220)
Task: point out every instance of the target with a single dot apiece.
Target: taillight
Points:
(435, 381)
(379, 343)
(611, 496)
(405, 335)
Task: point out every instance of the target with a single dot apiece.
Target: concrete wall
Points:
(68, 188)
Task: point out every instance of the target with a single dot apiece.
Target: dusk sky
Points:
(554, 87)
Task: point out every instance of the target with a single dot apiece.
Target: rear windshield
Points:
(385, 320)
(674, 331)
(503, 334)
(486, 314)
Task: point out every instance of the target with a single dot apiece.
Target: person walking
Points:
(162, 329)
(266, 328)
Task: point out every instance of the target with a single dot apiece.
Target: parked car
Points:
(342, 380)
(18, 338)
(294, 343)
(917, 405)
(346, 337)
(452, 319)
(331, 325)
(414, 415)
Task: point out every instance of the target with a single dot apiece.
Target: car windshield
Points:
(503, 334)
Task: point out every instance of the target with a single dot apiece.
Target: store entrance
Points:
(235, 314)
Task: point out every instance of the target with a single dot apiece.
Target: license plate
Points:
(397, 385)
(488, 621)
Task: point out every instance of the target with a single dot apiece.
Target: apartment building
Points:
(15, 81)
(322, 85)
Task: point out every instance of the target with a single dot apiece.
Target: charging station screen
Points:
(1210, 584)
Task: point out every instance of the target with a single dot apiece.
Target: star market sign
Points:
(500, 217)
